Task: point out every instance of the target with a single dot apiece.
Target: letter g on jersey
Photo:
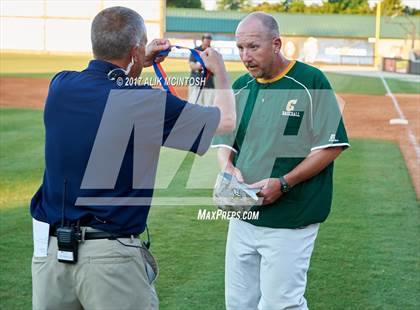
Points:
(291, 105)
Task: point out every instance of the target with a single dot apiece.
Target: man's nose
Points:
(246, 56)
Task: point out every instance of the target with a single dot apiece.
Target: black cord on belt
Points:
(129, 245)
(146, 244)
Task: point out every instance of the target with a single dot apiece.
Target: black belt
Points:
(92, 235)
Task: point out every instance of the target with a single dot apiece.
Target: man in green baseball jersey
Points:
(288, 134)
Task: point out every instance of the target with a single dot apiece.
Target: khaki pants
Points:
(108, 275)
(206, 96)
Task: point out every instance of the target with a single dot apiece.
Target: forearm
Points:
(312, 165)
(225, 158)
(225, 101)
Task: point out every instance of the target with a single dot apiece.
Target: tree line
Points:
(360, 7)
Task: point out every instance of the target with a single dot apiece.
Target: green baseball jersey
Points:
(280, 121)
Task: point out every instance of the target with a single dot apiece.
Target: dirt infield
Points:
(368, 116)
(365, 116)
(23, 92)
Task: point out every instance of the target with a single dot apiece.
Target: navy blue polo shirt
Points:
(73, 112)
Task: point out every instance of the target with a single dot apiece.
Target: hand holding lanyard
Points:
(163, 78)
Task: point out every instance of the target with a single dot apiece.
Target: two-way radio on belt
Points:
(163, 78)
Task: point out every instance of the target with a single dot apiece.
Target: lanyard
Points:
(163, 78)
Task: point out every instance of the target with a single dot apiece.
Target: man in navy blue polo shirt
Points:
(102, 146)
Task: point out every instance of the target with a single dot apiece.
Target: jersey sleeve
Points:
(189, 127)
(328, 126)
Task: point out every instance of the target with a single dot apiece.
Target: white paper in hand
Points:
(252, 192)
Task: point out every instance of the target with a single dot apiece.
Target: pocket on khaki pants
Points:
(150, 264)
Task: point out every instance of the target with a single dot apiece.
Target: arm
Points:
(225, 101)
(223, 97)
(313, 164)
(225, 158)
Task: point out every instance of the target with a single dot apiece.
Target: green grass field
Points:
(366, 255)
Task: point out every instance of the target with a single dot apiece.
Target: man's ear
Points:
(134, 53)
(277, 45)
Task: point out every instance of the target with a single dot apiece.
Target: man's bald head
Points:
(259, 45)
(259, 22)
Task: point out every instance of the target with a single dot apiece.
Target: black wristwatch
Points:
(284, 186)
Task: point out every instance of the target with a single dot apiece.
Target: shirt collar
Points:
(278, 76)
(101, 66)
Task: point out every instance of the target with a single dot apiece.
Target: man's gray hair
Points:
(268, 21)
(115, 31)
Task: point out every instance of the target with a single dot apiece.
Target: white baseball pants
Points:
(266, 268)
